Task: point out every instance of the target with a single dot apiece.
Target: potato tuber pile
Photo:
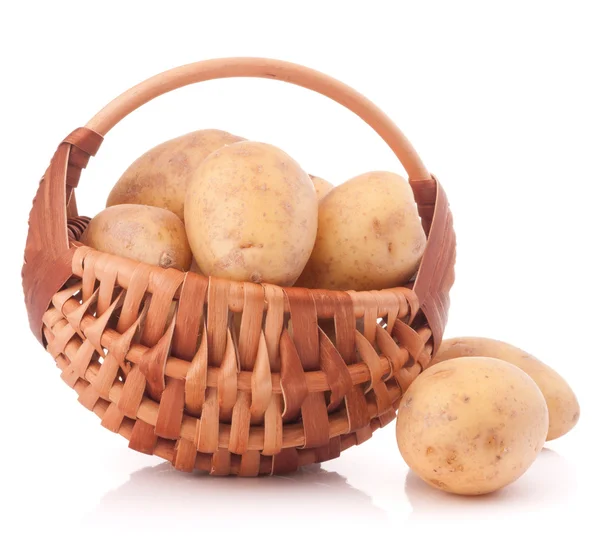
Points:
(251, 213)
(477, 418)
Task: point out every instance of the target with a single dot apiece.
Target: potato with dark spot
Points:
(563, 407)
(251, 214)
(144, 233)
(471, 425)
(160, 176)
(322, 187)
(370, 236)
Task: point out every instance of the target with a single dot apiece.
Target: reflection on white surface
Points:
(160, 495)
(367, 497)
(549, 482)
(163, 493)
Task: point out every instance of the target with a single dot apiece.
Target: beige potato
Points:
(563, 407)
(160, 176)
(251, 214)
(471, 425)
(322, 187)
(143, 233)
(370, 236)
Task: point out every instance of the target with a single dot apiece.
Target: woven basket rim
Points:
(156, 268)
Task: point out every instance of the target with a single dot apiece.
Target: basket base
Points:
(182, 384)
(183, 454)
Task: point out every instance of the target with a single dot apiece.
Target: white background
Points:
(501, 100)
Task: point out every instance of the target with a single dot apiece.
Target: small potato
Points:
(251, 214)
(160, 176)
(370, 236)
(143, 233)
(471, 425)
(322, 187)
(563, 407)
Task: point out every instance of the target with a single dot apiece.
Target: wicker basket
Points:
(267, 397)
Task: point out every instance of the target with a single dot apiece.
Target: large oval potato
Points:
(471, 425)
(143, 233)
(322, 187)
(251, 214)
(563, 406)
(160, 176)
(370, 236)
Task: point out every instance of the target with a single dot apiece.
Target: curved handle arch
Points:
(233, 67)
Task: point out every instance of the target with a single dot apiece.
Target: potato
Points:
(143, 233)
(321, 186)
(471, 425)
(370, 236)
(251, 214)
(563, 407)
(160, 176)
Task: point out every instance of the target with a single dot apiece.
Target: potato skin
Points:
(160, 176)
(322, 187)
(144, 233)
(370, 236)
(563, 407)
(251, 214)
(471, 425)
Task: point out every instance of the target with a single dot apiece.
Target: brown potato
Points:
(471, 425)
(322, 187)
(369, 238)
(143, 233)
(563, 407)
(160, 176)
(251, 214)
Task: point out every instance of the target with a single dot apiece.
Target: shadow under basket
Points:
(229, 377)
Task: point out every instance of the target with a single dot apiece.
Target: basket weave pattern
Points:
(228, 377)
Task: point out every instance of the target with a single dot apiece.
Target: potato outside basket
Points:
(155, 354)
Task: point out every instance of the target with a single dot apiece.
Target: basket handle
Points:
(48, 254)
(314, 80)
